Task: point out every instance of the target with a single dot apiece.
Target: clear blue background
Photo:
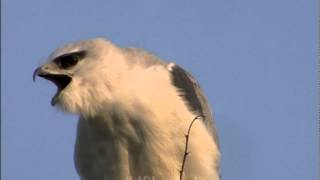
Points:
(256, 61)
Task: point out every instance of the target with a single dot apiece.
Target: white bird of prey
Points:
(134, 110)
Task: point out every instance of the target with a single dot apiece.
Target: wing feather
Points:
(193, 96)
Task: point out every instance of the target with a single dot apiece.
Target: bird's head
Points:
(82, 73)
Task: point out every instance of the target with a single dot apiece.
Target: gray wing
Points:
(193, 96)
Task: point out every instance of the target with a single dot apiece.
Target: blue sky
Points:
(255, 60)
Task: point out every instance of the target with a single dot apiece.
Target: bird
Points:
(134, 112)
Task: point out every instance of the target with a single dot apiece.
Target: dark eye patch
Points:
(69, 60)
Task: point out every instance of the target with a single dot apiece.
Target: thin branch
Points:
(186, 153)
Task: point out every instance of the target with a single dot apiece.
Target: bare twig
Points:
(186, 153)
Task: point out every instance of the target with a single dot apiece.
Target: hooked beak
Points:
(60, 80)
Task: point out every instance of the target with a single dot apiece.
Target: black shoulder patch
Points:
(186, 87)
(193, 96)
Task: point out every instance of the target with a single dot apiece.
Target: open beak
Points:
(60, 80)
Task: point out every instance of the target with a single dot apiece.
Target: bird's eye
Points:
(67, 61)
